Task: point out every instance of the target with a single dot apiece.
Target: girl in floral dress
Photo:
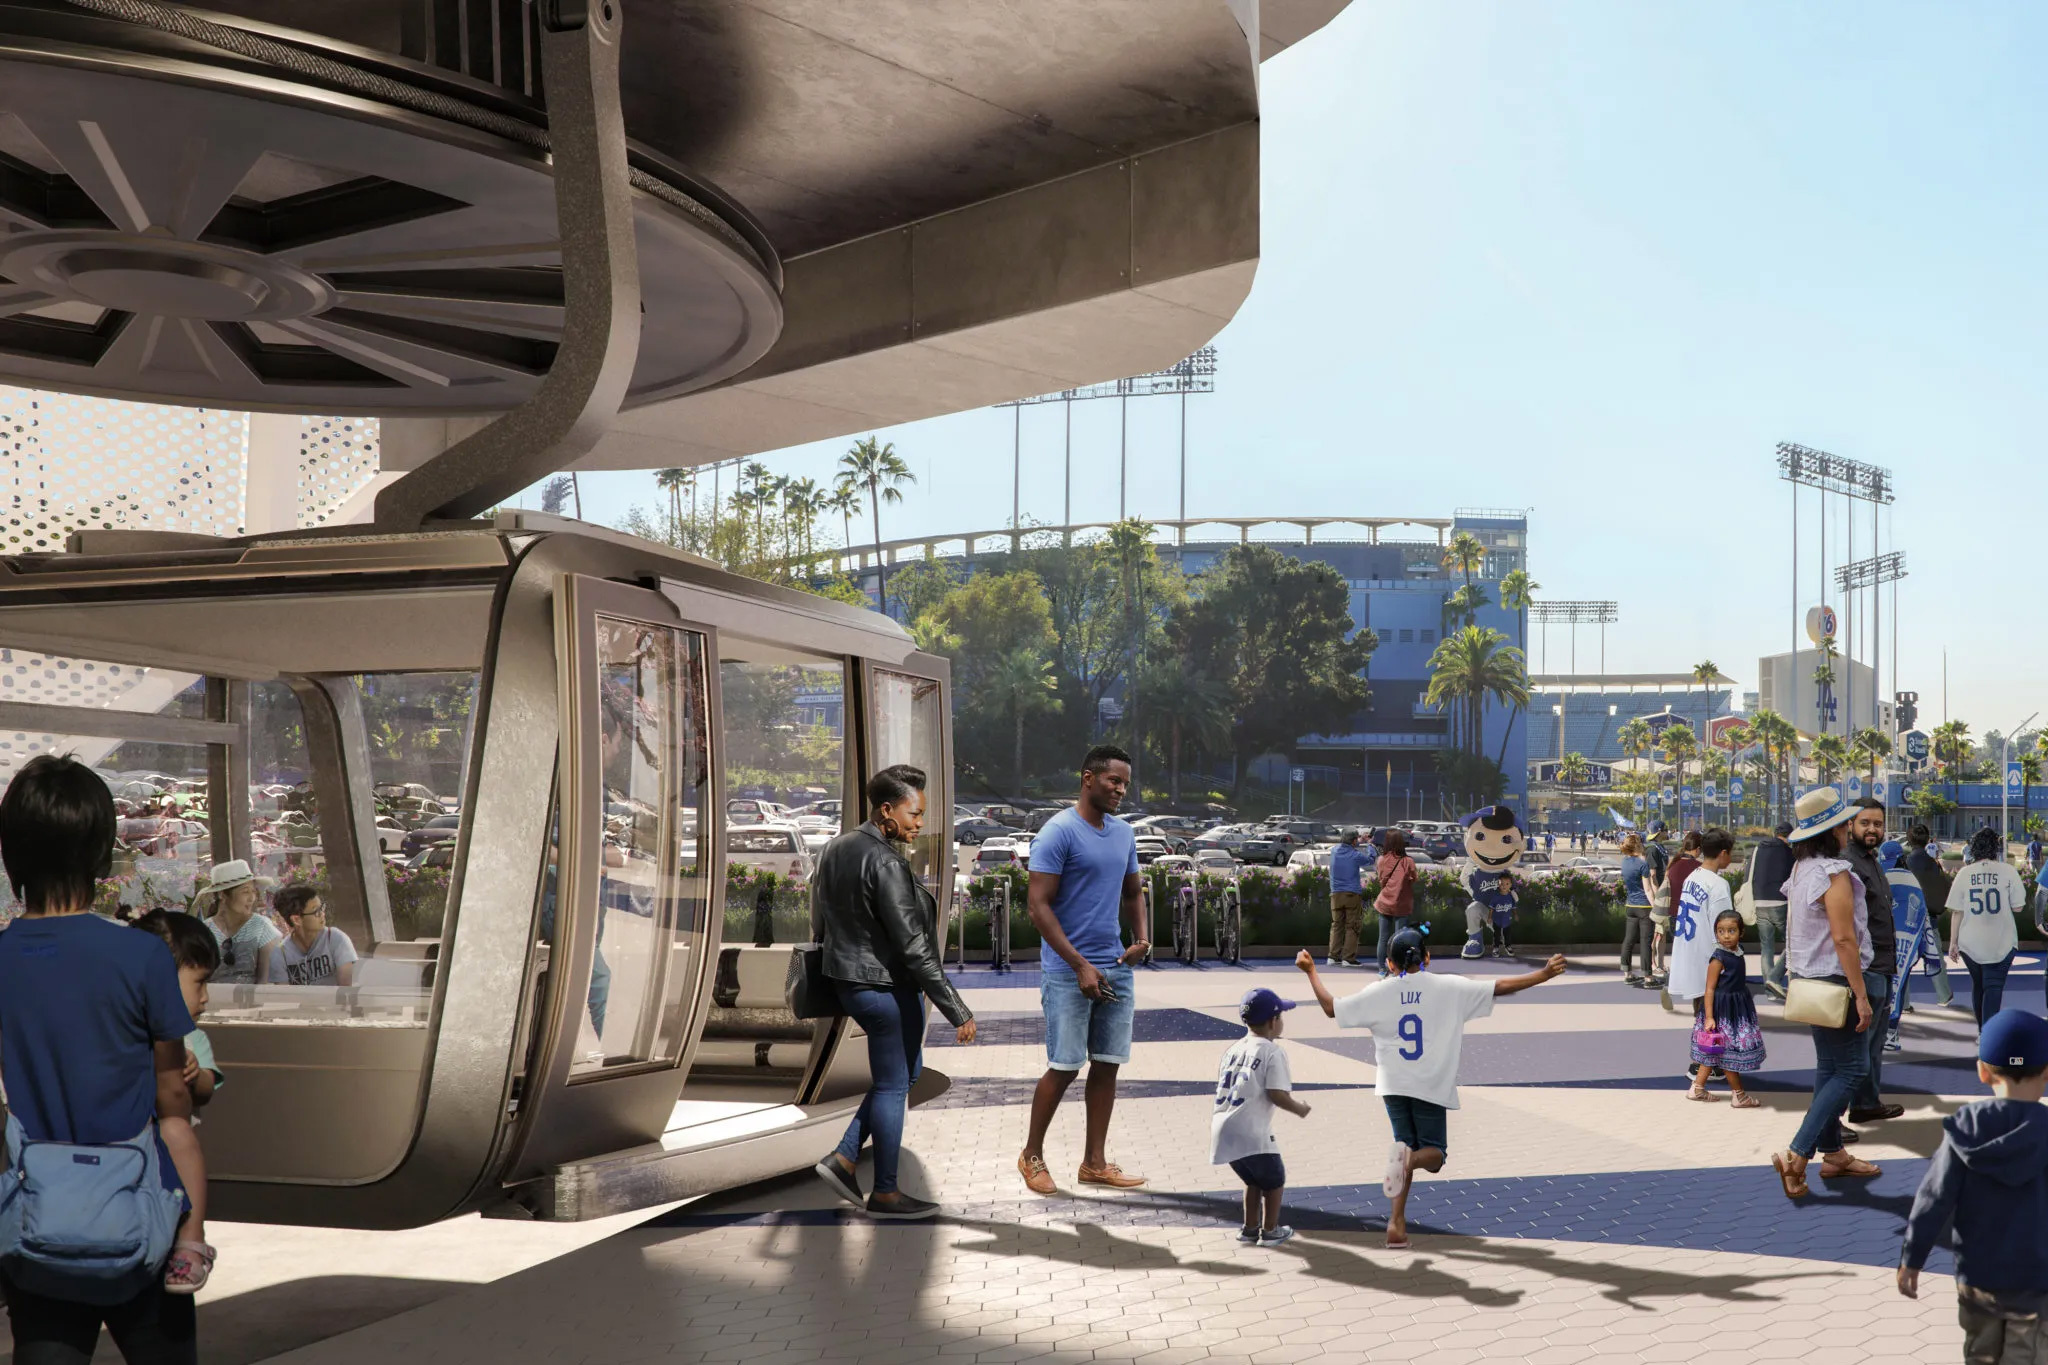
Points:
(1728, 1015)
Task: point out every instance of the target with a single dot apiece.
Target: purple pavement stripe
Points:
(1729, 1209)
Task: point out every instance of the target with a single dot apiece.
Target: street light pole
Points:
(2005, 787)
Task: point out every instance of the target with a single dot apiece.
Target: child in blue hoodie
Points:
(1990, 1179)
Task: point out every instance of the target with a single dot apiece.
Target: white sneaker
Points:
(1329, 962)
(1397, 1171)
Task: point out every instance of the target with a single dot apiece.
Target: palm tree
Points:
(1740, 738)
(1472, 666)
(1871, 746)
(802, 499)
(1464, 604)
(1824, 674)
(1680, 747)
(1704, 672)
(1022, 682)
(1517, 593)
(2030, 777)
(1573, 770)
(1952, 750)
(758, 474)
(845, 500)
(1188, 708)
(671, 481)
(881, 471)
(1464, 555)
(1780, 739)
(1830, 756)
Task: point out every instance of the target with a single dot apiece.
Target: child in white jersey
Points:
(1418, 1019)
(1251, 1083)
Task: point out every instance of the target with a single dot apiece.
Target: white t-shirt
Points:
(319, 965)
(1418, 1030)
(1243, 1122)
(1700, 903)
(1982, 901)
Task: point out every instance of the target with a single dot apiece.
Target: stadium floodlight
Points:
(1575, 614)
(1195, 374)
(1856, 480)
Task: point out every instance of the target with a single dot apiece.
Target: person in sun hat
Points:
(1989, 1182)
(1827, 945)
(228, 902)
(1251, 1082)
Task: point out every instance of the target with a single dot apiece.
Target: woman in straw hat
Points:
(228, 903)
(1827, 943)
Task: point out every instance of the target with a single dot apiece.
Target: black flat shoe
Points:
(1850, 1135)
(841, 1181)
(904, 1208)
(1877, 1115)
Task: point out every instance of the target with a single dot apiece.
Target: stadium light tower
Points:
(1196, 374)
(1845, 478)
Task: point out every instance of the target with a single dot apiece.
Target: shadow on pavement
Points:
(1627, 1284)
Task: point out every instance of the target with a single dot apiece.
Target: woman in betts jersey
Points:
(1418, 1019)
(314, 953)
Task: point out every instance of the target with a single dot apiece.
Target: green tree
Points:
(1830, 756)
(1573, 770)
(1780, 741)
(1278, 634)
(673, 482)
(1021, 683)
(1110, 599)
(845, 500)
(2030, 778)
(1680, 747)
(1704, 673)
(1470, 668)
(1187, 708)
(880, 471)
(1464, 555)
(922, 585)
(1001, 648)
(1462, 604)
(1870, 747)
(1952, 750)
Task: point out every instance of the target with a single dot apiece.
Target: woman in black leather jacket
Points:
(874, 921)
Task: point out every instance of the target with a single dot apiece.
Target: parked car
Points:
(1186, 826)
(1272, 845)
(1037, 819)
(1007, 815)
(1608, 874)
(977, 829)
(390, 837)
(772, 848)
(436, 855)
(1214, 862)
(440, 829)
(995, 854)
(1179, 865)
(1535, 866)
(1305, 859)
(1228, 838)
(1152, 849)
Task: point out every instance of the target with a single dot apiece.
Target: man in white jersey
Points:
(1418, 1019)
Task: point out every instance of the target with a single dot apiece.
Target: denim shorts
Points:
(1261, 1171)
(1078, 1029)
(1419, 1123)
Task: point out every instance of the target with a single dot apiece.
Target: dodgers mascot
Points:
(1494, 843)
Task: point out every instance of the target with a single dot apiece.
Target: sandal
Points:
(1745, 1100)
(1855, 1166)
(1701, 1093)
(187, 1269)
(1792, 1176)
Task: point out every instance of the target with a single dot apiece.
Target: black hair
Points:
(192, 944)
(2017, 1073)
(893, 784)
(1102, 755)
(1987, 845)
(1826, 844)
(1407, 950)
(56, 833)
(1724, 917)
(1918, 835)
(291, 902)
(1782, 828)
(1868, 803)
(1715, 841)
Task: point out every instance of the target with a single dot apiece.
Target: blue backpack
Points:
(86, 1222)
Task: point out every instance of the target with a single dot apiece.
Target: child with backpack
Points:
(99, 1130)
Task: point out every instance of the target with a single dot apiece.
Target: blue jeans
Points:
(1841, 1059)
(1987, 986)
(1390, 925)
(1879, 988)
(1770, 933)
(894, 1021)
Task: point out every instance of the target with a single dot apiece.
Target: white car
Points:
(772, 848)
(1304, 859)
(998, 853)
(1214, 862)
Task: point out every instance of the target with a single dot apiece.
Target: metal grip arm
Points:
(581, 395)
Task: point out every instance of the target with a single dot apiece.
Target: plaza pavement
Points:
(1589, 1212)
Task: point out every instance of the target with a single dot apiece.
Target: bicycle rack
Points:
(1187, 945)
(998, 928)
(1229, 925)
(1151, 925)
(957, 914)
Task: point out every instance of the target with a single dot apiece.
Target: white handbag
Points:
(1824, 1004)
(1745, 896)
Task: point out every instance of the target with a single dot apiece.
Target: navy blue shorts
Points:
(1261, 1171)
(1419, 1123)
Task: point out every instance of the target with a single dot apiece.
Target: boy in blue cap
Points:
(1990, 1180)
(1251, 1083)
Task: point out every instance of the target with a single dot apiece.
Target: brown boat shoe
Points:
(1037, 1179)
(1110, 1174)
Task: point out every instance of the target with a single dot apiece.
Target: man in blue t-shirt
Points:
(1084, 875)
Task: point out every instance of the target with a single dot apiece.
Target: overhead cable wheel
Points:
(186, 224)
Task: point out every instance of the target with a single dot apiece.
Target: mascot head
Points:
(1494, 838)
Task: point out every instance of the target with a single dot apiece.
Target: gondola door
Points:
(627, 895)
(909, 719)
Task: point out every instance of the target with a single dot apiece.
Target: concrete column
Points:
(270, 482)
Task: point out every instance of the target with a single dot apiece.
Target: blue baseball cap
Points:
(1888, 854)
(2014, 1038)
(1261, 1004)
